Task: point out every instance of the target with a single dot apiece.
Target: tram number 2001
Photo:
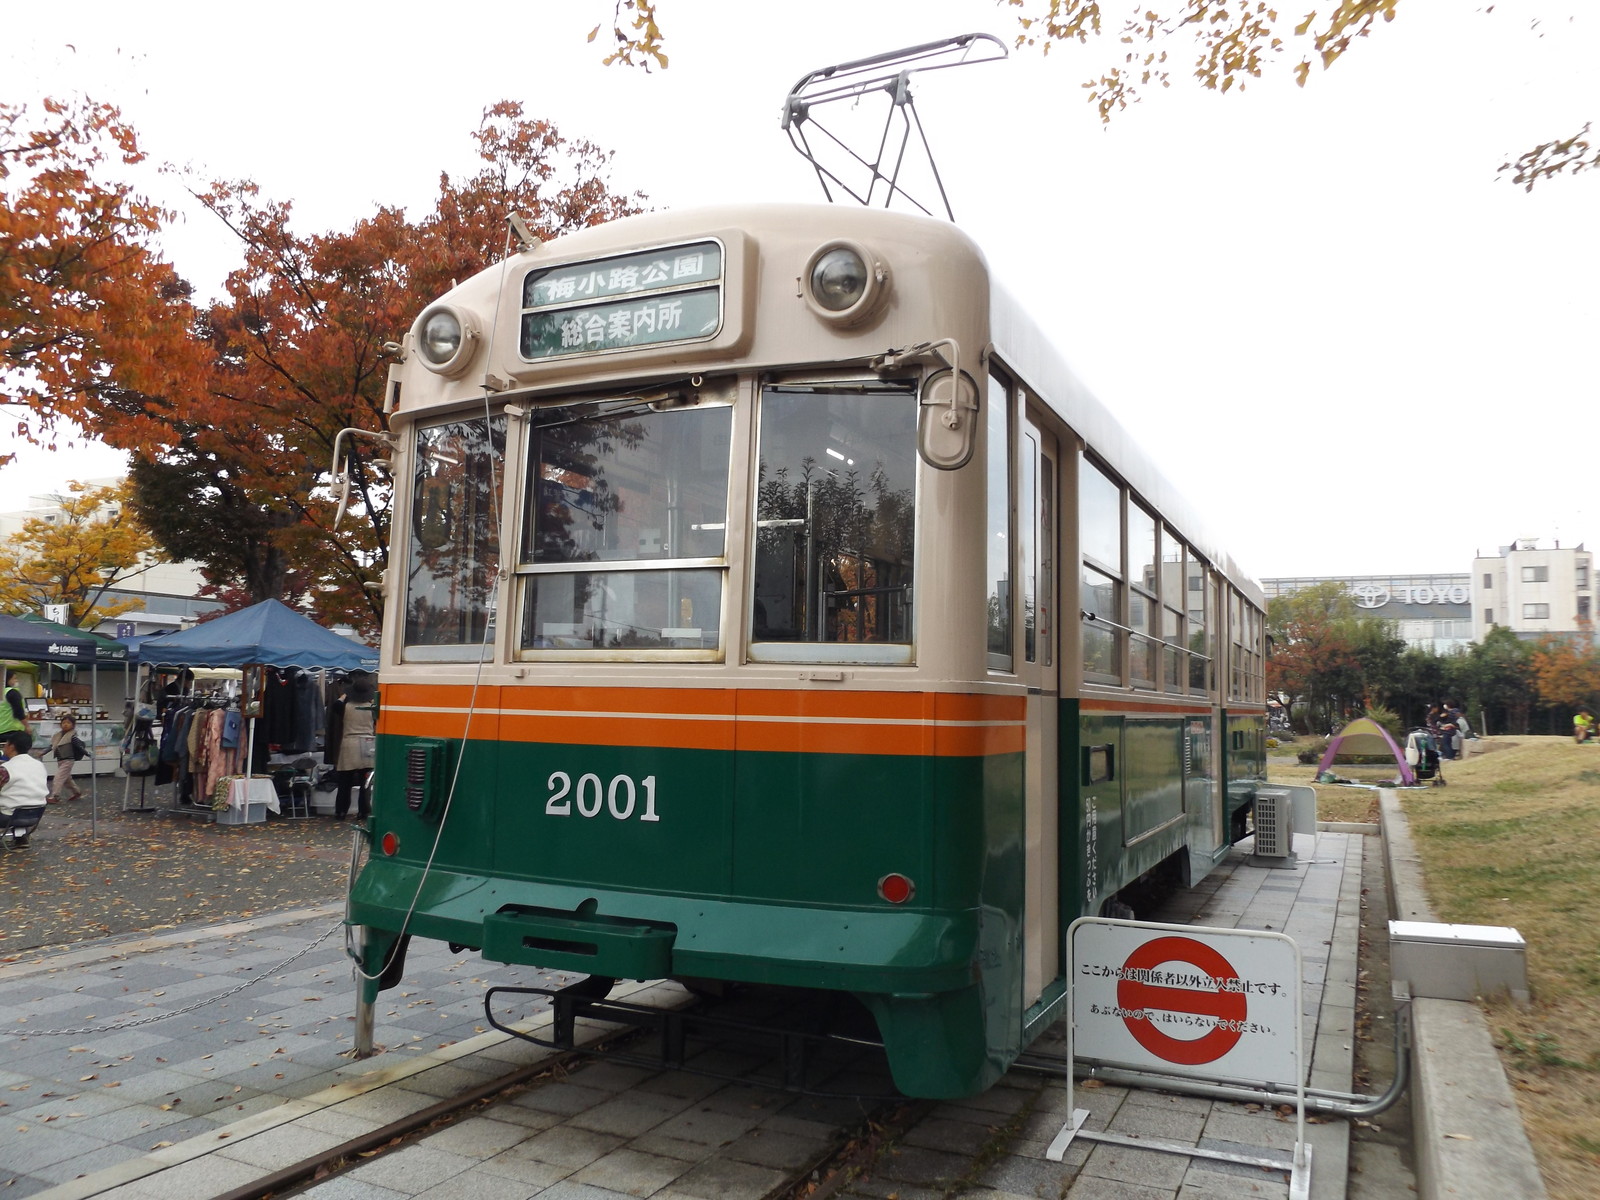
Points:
(620, 797)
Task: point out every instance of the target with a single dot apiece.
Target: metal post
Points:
(366, 1010)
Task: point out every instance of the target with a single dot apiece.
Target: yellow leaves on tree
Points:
(93, 542)
(1233, 39)
(639, 40)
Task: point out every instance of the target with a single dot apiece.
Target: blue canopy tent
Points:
(266, 634)
(270, 633)
(28, 641)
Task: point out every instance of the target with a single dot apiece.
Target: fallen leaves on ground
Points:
(145, 872)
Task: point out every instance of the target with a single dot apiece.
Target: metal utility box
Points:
(1459, 962)
(1280, 813)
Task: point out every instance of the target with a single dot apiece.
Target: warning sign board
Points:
(1223, 1003)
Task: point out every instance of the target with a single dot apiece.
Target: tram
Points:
(768, 603)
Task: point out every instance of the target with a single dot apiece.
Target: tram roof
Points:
(1033, 356)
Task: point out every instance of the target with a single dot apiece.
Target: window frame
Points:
(527, 571)
(824, 653)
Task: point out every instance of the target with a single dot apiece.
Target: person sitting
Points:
(24, 783)
(1583, 726)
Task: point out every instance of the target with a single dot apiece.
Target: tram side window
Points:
(1258, 661)
(1102, 642)
(625, 526)
(1174, 650)
(835, 524)
(1144, 604)
(1100, 537)
(1201, 650)
(453, 554)
(998, 545)
(1247, 662)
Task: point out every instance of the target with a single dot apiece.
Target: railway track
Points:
(818, 1143)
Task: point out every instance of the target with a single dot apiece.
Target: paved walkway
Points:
(234, 1082)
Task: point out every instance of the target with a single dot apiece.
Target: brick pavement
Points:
(194, 1105)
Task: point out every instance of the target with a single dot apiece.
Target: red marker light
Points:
(896, 889)
(390, 844)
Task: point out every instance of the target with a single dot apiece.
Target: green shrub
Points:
(1311, 753)
(1389, 719)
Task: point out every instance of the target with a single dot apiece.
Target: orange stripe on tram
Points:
(780, 720)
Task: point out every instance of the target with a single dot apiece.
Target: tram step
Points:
(593, 945)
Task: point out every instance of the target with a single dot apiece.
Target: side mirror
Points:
(948, 421)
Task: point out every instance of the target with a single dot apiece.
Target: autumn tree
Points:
(1566, 670)
(232, 429)
(76, 555)
(1315, 639)
(79, 277)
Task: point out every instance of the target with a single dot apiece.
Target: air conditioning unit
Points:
(1274, 819)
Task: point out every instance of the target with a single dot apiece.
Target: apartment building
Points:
(1533, 588)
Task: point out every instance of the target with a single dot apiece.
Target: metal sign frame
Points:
(1299, 1168)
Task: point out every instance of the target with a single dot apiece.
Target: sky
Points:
(1345, 337)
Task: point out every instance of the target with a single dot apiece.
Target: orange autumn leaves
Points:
(253, 386)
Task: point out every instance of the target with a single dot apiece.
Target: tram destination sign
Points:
(671, 294)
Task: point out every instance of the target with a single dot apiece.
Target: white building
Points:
(1534, 589)
(1430, 612)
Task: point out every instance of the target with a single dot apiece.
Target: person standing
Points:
(64, 745)
(1463, 730)
(353, 711)
(13, 713)
(23, 782)
(1448, 732)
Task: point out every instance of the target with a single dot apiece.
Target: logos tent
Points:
(28, 642)
(25, 641)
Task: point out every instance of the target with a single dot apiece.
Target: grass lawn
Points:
(1514, 839)
(1334, 802)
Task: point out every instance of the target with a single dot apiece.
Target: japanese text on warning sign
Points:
(1214, 1002)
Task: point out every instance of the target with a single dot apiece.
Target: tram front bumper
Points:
(636, 936)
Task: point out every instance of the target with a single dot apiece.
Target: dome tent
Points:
(1364, 736)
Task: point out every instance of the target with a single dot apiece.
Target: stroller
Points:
(1422, 752)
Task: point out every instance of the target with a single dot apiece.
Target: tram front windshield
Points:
(645, 494)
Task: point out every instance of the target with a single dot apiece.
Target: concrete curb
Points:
(1469, 1139)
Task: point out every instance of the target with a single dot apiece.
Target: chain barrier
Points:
(178, 1012)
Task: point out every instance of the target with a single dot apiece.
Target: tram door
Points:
(1037, 522)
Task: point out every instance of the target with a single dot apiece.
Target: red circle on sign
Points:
(1227, 1007)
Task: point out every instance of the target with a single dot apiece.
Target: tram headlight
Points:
(839, 279)
(446, 338)
(845, 283)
